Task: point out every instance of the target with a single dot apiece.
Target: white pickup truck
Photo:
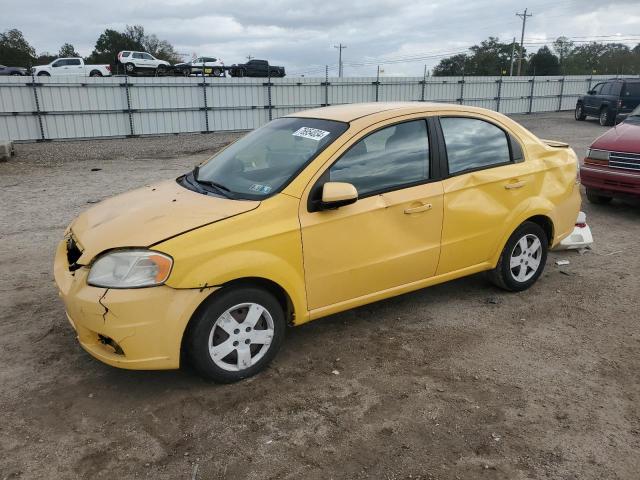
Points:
(72, 66)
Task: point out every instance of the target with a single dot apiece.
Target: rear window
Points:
(631, 90)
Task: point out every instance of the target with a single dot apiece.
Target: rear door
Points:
(74, 67)
(488, 181)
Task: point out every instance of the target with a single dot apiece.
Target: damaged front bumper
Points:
(138, 329)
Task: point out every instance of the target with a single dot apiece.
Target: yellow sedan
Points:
(312, 214)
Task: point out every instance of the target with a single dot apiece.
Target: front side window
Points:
(597, 88)
(146, 56)
(392, 157)
(606, 89)
(472, 144)
(58, 63)
(263, 161)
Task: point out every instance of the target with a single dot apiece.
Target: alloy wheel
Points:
(525, 258)
(241, 336)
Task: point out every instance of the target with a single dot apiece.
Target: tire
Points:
(44, 74)
(597, 198)
(95, 73)
(130, 68)
(605, 117)
(518, 268)
(239, 72)
(579, 112)
(15, 74)
(220, 320)
(161, 70)
(216, 72)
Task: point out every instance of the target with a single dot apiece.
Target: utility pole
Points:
(340, 47)
(513, 51)
(249, 57)
(523, 16)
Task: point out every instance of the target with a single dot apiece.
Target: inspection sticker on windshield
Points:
(256, 187)
(311, 133)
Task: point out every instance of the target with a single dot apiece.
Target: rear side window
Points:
(473, 144)
(137, 55)
(631, 90)
(392, 157)
(74, 61)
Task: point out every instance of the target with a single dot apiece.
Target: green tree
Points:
(160, 49)
(544, 62)
(67, 50)
(45, 58)
(491, 57)
(15, 51)
(451, 66)
(109, 43)
(563, 48)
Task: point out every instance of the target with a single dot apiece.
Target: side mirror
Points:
(338, 194)
(591, 92)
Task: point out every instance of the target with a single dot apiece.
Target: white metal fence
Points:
(51, 108)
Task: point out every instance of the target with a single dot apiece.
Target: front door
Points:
(591, 101)
(488, 183)
(391, 235)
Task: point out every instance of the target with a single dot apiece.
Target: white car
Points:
(71, 66)
(135, 62)
(202, 65)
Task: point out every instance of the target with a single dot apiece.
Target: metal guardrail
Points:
(51, 108)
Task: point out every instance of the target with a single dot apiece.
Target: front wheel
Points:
(130, 68)
(579, 112)
(522, 260)
(216, 72)
(161, 70)
(235, 334)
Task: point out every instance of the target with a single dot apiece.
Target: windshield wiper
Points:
(225, 191)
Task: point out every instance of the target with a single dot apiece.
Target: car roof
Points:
(353, 111)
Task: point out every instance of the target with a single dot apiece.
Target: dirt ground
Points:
(458, 381)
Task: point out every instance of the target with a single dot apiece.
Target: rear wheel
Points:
(579, 112)
(217, 72)
(597, 198)
(44, 74)
(606, 119)
(236, 334)
(522, 260)
(161, 70)
(95, 73)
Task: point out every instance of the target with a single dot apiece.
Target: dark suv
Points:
(610, 101)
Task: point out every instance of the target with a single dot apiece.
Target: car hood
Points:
(148, 215)
(624, 137)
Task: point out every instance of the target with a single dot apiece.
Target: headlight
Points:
(130, 269)
(598, 154)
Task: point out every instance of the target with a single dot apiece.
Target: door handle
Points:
(514, 185)
(421, 208)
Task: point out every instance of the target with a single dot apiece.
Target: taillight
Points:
(108, 68)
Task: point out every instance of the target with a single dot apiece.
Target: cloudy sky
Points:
(300, 34)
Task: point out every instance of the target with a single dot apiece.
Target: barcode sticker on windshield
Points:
(311, 133)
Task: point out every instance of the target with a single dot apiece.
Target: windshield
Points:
(265, 160)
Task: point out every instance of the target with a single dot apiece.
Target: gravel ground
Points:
(458, 381)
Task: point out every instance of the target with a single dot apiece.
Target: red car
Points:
(612, 166)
